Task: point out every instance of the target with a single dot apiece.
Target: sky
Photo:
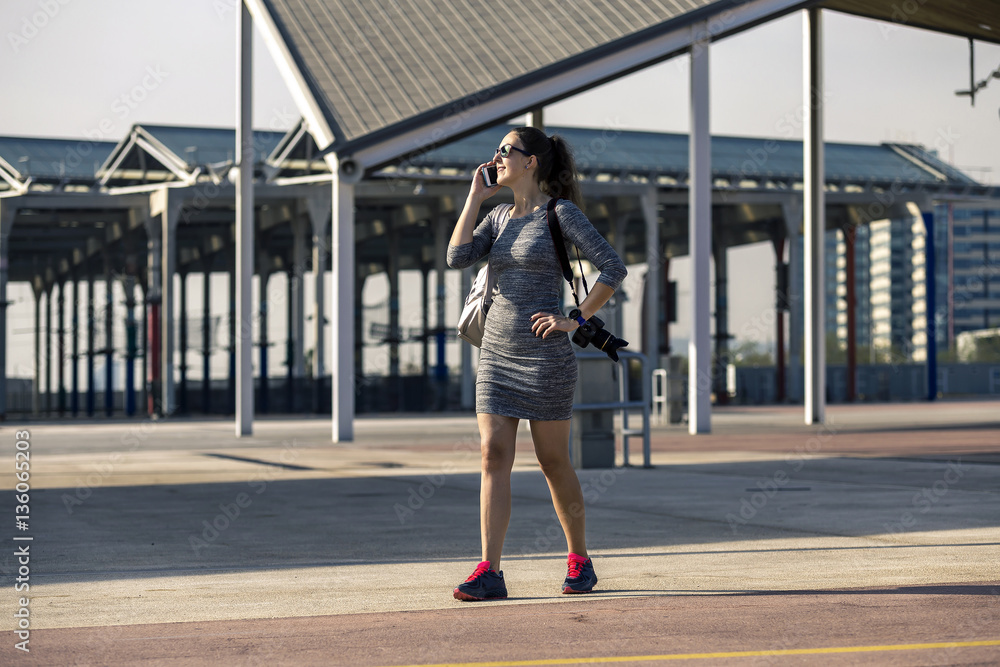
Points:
(70, 68)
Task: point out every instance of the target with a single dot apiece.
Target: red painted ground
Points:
(589, 627)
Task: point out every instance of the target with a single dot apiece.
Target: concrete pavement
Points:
(882, 527)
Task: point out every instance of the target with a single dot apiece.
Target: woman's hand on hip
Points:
(542, 324)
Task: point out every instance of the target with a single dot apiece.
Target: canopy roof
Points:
(379, 81)
(163, 153)
(155, 154)
(54, 162)
(976, 19)
(742, 162)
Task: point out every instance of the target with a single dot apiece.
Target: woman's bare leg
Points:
(498, 435)
(551, 440)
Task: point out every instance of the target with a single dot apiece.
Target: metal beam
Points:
(94, 200)
(74, 375)
(167, 204)
(262, 319)
(796, 301)
(206, 338)
(109, 338)
(342, 308)
(850, 233)
(468, 381)
(176, 167)
(814, 224)
(441, 225)
(319, 206)
(7, 214)
(131, 337)
(48, 348)
(296, 274)
(700, 235)
(930, 295)
(151, 316)
(182, 348)
(36, 392)
(721, 364)
(654, 263)
(91, 344)
(292, 350)
(244, 222)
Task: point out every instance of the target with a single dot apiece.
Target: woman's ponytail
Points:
(562, 178)
(557, 176)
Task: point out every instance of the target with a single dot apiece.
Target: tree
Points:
(750, 353)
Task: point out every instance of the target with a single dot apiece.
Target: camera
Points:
(593, 332)
(490, 175)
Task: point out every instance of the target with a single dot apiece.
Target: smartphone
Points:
(490, 175)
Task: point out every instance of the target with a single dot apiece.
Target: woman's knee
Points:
(554, 463)
(497, 456)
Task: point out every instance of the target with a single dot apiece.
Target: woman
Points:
(527, 368)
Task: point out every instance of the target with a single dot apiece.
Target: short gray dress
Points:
(522, 375)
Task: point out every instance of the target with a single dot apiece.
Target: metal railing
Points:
(625, 403)
(659, 403)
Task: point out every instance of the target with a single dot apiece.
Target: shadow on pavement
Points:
(262, 524)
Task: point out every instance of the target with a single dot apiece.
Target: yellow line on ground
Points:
(716, 656)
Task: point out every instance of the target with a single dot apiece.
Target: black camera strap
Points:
(560, 243)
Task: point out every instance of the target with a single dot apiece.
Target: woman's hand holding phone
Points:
(489, 173)
(480, 190)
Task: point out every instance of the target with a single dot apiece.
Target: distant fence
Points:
(753, 386)
(414, 393)
(877, 383)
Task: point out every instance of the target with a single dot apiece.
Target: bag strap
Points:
(501, 222)
(487, 291)
(557, 239)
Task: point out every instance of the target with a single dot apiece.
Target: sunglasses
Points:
(505, 150)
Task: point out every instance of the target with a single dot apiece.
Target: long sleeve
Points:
(467, 254)
(578, 230)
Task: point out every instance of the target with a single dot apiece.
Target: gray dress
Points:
(522, 375)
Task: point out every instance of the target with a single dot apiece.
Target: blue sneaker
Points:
(483, 584)
(580, 577)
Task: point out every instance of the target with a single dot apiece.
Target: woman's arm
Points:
(577, 228)
(598, 296)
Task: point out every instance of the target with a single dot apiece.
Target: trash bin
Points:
(675, 390)
(592, 441)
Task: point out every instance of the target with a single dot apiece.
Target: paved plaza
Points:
(873, 539)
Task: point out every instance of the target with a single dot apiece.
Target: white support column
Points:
(244, 223)
(342, 308)
(700, 241)
(653, 280)
(167, 204)
(814, 223)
